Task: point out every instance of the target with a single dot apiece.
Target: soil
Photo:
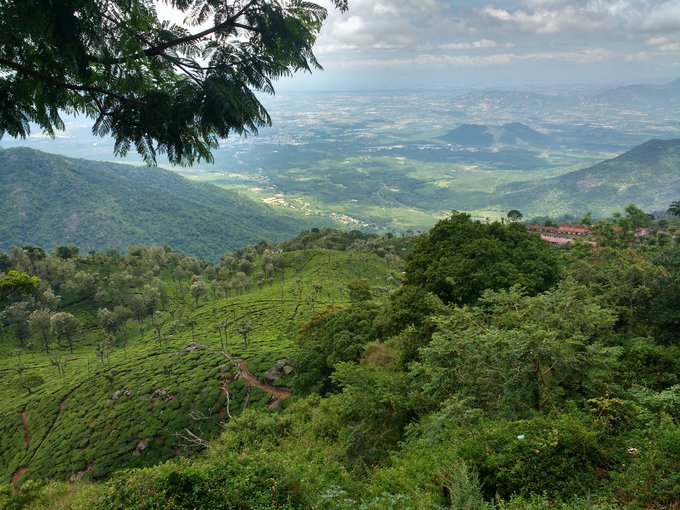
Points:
(18, 474)
(278, 394)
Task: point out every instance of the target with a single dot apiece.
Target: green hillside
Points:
(648, 175)
(50, 200)
(489, 371)
(132, 395)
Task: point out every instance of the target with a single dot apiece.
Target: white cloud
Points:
(481, 44)
(587, 56)
(617, 17)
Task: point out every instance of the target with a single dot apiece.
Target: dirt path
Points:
(24, 414)
(278, 393)
(18, 474)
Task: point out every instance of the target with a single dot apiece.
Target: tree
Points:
(64, 325)
(67, 252)
(29, 381)
(460, 258)
(674, 208)
(331, 336)
(150, 84)
(513, 353)
(359, 290)
(17, 283)
(198, 290)
(244, 328)
(17, 315)
(514, 215)
(6, 262)
(39, 324)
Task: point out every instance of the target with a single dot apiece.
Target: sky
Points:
(491, 43)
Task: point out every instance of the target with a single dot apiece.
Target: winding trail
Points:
(24, 423)
(278, 393)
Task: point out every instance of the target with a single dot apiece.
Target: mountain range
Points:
(49, 200)
(647, 175)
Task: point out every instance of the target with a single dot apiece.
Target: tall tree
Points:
(39, 324)
(64, 326)
(151, 84)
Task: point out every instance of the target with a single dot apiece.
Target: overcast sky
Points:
(444, 43)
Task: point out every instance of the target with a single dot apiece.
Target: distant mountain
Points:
(470, 135)
(647, 175)
(48, 200)
(663, 96)
(484, 136)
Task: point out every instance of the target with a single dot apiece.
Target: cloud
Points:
(618, 17)
(388, 25)
(481, 44)
(587, 56)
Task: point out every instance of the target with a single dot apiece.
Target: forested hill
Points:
(646, 175)
(49, 200)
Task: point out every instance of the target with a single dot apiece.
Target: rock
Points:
(272, 374)
(281, 367)
(121, 393)
(160, 393)
(191, 347)
(141, 446)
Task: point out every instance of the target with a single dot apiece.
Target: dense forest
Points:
(470, 367)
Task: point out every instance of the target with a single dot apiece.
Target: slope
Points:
(50, 200)
(482, 136)
(167, 382)
(656, 96)
(647, 175)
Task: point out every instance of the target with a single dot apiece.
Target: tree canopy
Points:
(152, 85)
(461, 258)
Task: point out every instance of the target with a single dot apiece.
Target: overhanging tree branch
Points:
(150, 85)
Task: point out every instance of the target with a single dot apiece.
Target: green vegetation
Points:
(403, 182)
(151, 84)
(55, 201)
(546, 379)
(132, 359)
(645, 175)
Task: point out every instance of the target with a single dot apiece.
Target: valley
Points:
(391, 160)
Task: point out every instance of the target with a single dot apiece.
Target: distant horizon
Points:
(77, 137)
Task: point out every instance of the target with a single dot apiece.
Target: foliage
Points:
(460, 258)
(64, 325)
(566, 398)
(151, 84)
(90, 416)
(53, 200)
(331, 336)
(514, 215)
(513, 353)
(674, 208)
(29, 381)
(359, 291)
(16, 282)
